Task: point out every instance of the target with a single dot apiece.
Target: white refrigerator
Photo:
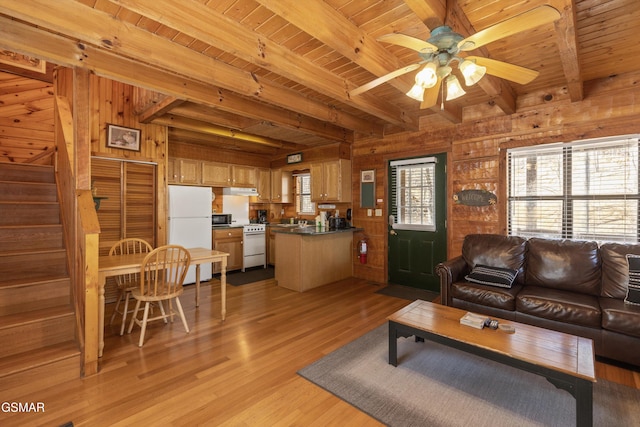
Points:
(190, 223)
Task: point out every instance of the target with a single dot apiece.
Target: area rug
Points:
(435, 385)
(250, 275)
(408, 293)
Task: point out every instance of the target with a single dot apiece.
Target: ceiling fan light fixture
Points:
(416, 92)
(472, 72)
(454, 89)
(427, 77)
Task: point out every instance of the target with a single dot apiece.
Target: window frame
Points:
(571, 204)
(396, 219)
(299, 194)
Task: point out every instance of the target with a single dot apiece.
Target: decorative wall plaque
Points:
(475, 198)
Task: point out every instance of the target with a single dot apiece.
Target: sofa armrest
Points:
(450, 272)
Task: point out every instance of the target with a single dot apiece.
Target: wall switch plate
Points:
(368, 212)
(378, 212)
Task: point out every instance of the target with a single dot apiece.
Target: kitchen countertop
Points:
(310, 230)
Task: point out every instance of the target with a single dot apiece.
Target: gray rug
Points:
(435, 385)
(251, 275)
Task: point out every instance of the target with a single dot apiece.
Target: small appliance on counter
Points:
(337, 223)
(221, 220)
(263, 217)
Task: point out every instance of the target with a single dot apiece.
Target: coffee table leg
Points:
(584, 404)
(393, 344)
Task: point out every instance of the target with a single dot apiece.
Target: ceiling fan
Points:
(441, 50)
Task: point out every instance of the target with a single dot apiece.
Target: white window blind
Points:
(304, 205)
(413, 191)
(585, 190)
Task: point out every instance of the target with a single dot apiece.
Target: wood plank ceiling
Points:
(273, 76)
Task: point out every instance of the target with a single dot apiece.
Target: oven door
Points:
(254, 249)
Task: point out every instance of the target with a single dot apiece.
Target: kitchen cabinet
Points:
(264, 185)
(216, 174)
(281, 186)
(243, 176)
(306, 260)
(228, 240)
(183, 171)
(331, 181)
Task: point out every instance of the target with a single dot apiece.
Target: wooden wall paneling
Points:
(477, 151)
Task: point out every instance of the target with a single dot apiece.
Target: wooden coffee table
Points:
(566, 361)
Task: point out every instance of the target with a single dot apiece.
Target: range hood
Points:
(239, 191)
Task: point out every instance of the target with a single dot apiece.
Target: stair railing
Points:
(81, 235)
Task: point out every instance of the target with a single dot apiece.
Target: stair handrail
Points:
(81, 233)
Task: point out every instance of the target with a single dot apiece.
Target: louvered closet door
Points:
(129, 209)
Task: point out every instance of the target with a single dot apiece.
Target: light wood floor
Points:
(240, 373)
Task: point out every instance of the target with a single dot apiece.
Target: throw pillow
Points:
(633, 289)
(492, 276)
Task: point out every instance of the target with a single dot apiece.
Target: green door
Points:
(417, 224)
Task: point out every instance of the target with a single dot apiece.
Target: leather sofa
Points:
(576, 287)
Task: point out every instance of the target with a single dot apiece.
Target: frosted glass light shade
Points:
(427, 76)
(416, 92)
(472, 72)
(454, 89)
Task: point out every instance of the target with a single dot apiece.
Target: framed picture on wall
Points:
(123, 137)
(368, 176)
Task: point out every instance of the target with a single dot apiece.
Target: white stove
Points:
(254, 249)
(253, 228)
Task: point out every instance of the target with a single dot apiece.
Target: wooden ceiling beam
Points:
(209, 129)
(568, 46)
(19, 37)
(215, 116)
(125, 41)
(334, 30)
(192, 137)
(500, 92)
(431, 12)
(158, 109)
(205, 24)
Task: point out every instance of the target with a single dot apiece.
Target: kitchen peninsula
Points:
(307, 258)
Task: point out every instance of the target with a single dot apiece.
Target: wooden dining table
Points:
(115, 265)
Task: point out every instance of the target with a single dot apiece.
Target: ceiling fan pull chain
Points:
(442, 99)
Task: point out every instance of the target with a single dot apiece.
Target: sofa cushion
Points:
(633, 291)
(492, 276)
(570, 265)
(491, 296)
(620, 317)
(615, 270)
(497, 251)
(559, 305)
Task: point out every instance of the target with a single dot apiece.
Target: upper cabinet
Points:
(264, 185)
(331, 181)
(281, 186)
(243, 176)
(184, 171)
(216, 174)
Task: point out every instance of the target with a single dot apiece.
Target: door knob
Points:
(393, 233)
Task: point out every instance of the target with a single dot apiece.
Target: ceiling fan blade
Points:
(525, 21)
(506, 71)
(408, 41)
(431, 96)
(385, 78)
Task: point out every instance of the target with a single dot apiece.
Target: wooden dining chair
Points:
(162, 274)
(127, 282)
